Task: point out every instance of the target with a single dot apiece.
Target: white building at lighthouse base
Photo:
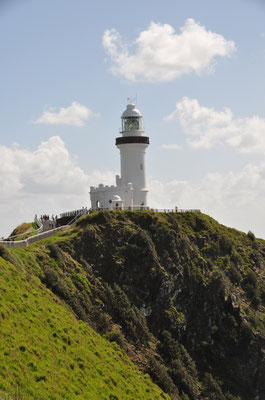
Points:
(118, 197)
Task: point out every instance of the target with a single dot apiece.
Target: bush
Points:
(213, 389)
(185, 243)
(234, 274)
(251, 236)
(200, 224)
(236, 258)
(4, 253)
(251, 287)
(229, 396)
(101, 320)
(56, 253)
(262, 295)
(181, 367)
(159, 373)
(56, 283)
(184, 397)
(126, 314)
(251, 278)
(117, 337)
(226, 245)
(218, 283)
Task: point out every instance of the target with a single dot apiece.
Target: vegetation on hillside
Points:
(182, 295)
(24, 230)
(47, 353)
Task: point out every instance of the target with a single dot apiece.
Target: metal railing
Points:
(81, 211)
(144, 208)
(172, 210)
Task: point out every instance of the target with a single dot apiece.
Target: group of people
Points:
(47, 217)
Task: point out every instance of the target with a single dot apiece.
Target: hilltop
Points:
(180, 294)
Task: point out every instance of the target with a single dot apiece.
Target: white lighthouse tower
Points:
(131, 190)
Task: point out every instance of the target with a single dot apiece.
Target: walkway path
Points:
(32, 239)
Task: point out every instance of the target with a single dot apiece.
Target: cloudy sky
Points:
(197, 70)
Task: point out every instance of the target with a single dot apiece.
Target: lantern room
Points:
(131, 119)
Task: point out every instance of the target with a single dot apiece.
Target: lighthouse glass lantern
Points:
(132, 123)
(131, 119)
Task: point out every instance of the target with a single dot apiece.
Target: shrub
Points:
(40, 378)
(251, 278)
(159, 373)
(236, 258)
(185, 243)
(200, 224)
(262, 295)
(229, 396)
(56, 253)
(218, 283)
(181, 367)
(113, 397)
(213, 250)
(213, 389)
(4, 253)
(184, 397)
(256, 257)
(226, 245)
(234, 274)
(117, 337)
(100, 217)
(101, 320)
(54, 282)
(251, 236)
(126, 314)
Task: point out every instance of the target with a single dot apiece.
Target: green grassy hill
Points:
(24, 228)
(47, 353)
(182, 295)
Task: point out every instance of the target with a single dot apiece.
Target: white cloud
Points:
(76, 115)
(171, 146)
(46, 180)
(206, 128)
(234, 199)
(160, 54)
(50, 167)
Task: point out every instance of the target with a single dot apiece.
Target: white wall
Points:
(130, 197)
(133, 166)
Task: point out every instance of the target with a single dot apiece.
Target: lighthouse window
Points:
(131, 124)
(141, 166)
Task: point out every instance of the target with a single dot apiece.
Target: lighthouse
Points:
(130, 191)
(132, 146)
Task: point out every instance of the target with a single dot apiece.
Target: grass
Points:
(46, 353)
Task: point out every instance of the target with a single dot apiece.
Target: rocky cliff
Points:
(182, 295)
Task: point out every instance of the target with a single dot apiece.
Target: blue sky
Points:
(197, 69)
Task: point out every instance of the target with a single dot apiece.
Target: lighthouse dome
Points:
(116, 198)
(131, 111)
